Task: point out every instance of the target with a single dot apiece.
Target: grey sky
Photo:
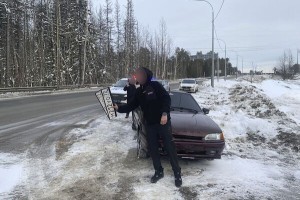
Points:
(259, 30)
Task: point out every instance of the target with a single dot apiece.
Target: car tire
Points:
(133, 126)
(140, 153)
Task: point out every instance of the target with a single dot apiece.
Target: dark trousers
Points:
(154, 132)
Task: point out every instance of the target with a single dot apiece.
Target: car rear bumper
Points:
(199, 149)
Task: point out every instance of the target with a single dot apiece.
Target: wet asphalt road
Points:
(46, 118)
(40, 121)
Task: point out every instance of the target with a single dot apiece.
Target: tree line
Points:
(64, 42)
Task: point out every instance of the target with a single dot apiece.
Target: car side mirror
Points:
(205, 111)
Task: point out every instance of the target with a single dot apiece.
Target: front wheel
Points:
(141, 153)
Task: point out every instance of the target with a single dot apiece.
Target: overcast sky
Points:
(258, 30)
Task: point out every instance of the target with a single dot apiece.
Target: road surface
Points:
(40, 121)
(43, 119)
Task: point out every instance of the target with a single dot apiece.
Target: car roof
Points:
(124, 79)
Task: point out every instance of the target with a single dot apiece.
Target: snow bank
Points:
(11, 172)
(285, 95)
(13, 95)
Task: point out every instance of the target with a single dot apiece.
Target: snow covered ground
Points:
(261, 160)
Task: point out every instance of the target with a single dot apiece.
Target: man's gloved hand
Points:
(164, 119)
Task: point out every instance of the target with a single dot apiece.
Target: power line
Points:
(220, 10)
(218, 39)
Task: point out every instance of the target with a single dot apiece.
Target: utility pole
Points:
(252, 72)
(218, 68)
(225, 63)
(242, 66)
(213, 49)
(298, 51)
(237, 63)
(213, 44)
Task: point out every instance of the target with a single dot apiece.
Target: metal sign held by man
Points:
(104, 97)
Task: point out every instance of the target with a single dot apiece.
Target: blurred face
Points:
(141, 77)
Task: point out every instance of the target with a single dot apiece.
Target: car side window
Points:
(175, 100)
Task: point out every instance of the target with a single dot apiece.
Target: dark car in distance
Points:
(195, 134)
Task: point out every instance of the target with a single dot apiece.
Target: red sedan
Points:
(195, 134)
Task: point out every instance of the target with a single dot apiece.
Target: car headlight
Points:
(214, 136)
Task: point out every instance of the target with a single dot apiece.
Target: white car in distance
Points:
(118, 94)
(189, 85)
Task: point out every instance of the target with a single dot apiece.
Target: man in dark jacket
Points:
(130, 88)
(155, 103)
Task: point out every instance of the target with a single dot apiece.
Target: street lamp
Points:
(213, 44)
(225, 58)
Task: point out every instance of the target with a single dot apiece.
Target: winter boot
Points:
(159, 174)
(178, 180)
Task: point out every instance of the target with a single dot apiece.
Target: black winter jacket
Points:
(153, 99)
(131, 89)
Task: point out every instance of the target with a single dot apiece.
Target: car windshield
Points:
(184, 102)
(121, 83)
(188, 81)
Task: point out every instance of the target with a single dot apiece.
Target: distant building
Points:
(201, 56)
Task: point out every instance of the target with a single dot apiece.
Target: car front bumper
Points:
(195, 149)
(188, 89)
(119, 98)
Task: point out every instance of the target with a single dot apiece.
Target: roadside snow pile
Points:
(250, 100)
(257, 132)
(11, 173)
(285, 95)
(255, 78)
